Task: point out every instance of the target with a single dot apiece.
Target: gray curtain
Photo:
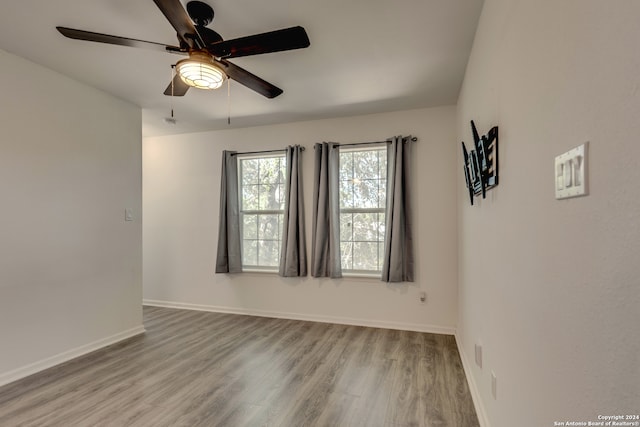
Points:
(325, 248)
(229, 258)
(398, 250)
(293, 254)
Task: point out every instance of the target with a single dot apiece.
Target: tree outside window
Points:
(363, 187)
(262, 189)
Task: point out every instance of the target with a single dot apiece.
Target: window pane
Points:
(365, 164)
(346, 166)
(382, 164)
(382, 193)
(268, 227)
(270, 171)
(269, 197)
(262, 188)
(382, 170)
(281, 196)
(280, 223)
(346, 227)
(249, 226)
(249, 252)
(365, 193)
(268, 255)
(346, 255)
(250, 197)
(365, 256)
(366, 227)
(346, 194)
(363, 185)
(249, 169)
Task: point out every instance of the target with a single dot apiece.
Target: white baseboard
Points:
(312, 318)
(473, 387)
(32, 368)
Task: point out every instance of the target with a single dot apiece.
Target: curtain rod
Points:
(263, 152)
(413, 138)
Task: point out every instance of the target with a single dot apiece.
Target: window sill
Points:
(259, 270)
(376, 276)
(362, 275)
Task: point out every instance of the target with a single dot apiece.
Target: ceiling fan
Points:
(207, 65)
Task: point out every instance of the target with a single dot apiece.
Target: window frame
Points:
(259, 156)
(350, 272)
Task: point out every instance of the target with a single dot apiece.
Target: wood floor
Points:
(207, 369)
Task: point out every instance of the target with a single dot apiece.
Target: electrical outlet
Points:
(423, 297)
(494, 385)
(479, 355)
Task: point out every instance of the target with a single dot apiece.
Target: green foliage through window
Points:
(363, 188)
(262, 189)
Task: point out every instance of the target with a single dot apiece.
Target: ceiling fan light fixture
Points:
(200, 71)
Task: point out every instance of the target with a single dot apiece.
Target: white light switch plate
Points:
(128, 214)
(571, 173)
(479, 355)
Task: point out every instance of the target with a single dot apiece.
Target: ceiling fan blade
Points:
(179, 87)
(117, 40)
(274, 41)
(178, 18)
(249, 80)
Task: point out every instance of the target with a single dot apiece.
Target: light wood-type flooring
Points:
(208, 369)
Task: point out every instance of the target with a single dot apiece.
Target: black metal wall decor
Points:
(481, 163)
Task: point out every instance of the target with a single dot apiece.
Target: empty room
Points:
(357, 213)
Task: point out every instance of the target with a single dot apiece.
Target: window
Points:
(262, 190)
(363, 187)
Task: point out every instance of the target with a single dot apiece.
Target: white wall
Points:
(70, 267)
(181, 180)
(552, 288)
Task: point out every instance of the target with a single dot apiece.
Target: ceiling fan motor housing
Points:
(201, 13)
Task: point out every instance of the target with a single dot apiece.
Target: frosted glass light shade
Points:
(200, 71)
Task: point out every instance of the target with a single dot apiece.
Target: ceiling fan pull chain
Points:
(171, 120)
(172, 76)
(228, 102)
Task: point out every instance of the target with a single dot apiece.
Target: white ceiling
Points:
(366, 56)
